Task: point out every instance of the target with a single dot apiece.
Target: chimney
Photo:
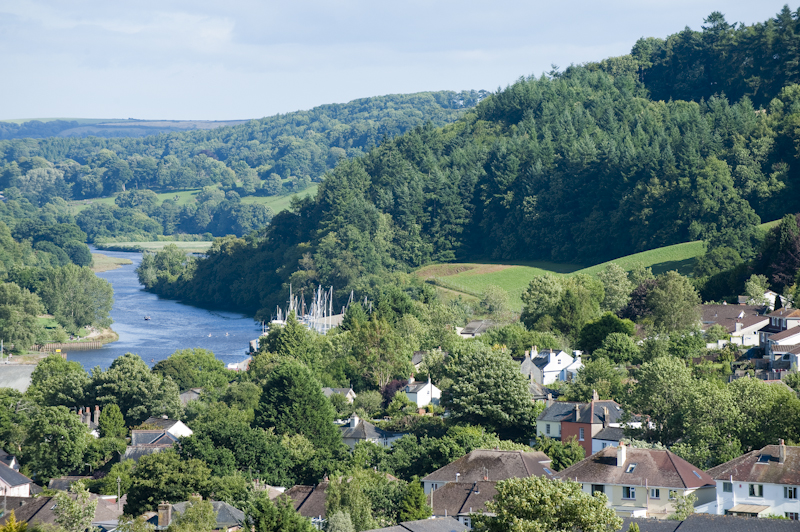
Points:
(577, 412)
(96, 419)
(595, 397)
(164, 514)
(621, 454)
(354, 421)
(781, 452)
(457, 475)
(411, 379)
(606, 421)
(87, 416)
(549, 397)
(527, 353)
(738, 326)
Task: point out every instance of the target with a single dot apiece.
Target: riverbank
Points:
(101, 336)
(104, 263)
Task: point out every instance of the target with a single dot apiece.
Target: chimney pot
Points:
(164, 514)
(96, 419)
(621, 455)
(782, 452)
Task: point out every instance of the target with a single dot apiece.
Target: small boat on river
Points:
(147, 318)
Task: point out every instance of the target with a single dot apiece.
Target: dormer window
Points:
(630, 469)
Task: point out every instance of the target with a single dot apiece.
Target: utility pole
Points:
(119, 496)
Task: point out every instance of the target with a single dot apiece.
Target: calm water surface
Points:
(172, 325)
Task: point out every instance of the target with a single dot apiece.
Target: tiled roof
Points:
(135, 452)
(762, 466)
(783, 335)
(650, 525)
(785, 313)
(729, 315)
(456, 498)
(496, 465)
(309, 501)
(63, 483)
(12, 477)
(40, 510)
(152, 437)
(327, 392)
(587, 412)
(725, 523)
(227, 515)
(441, 524)
(610, 434)
(364, 430)
(161, 423)
(657, 468)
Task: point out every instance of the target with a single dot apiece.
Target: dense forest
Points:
(282, 154)
(579, 166)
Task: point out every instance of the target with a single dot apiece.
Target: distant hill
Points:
(103, 128)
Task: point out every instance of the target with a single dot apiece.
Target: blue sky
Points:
(213, 60)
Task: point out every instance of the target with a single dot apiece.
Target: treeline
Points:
(580, 166)
(304, 144)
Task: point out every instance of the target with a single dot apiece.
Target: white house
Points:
(348, 393)
(175, 427)
(422, 393)
(13, 483)
(549, 366)
(743, 322)
(757, 484)
(357, 430)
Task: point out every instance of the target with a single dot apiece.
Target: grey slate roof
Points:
(658, 468)
(650, 525)
(591, 412)
(327, 392)
(161, 422)
(9, 459)
(364, 431)
(725, 523)
(497, 465)
(478, 327)
(13, 477)
(747, 468)
(63, 483)
(443, 524)
(136, 452)
(610, 434)
(40, 509)
(152, 437)
(416, 386)
(227, 515)
(457, 498)
(309, 501)
(191, 395)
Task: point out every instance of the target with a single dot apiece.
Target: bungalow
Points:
(422, 393)
(640, 482)
(741, 321)
(357, 430)
(486, 465)
(760, 483)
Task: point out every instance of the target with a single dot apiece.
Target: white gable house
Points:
(549, 366)
(422, 393)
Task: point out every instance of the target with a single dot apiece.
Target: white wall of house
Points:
(599, 445)
(557, 364)
(23, 490)
(179, 430)
(773, 496)
(427, 395)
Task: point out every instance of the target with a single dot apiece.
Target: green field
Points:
(472, 278)
(186, 197)
(189, 247)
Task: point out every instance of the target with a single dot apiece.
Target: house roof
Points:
(728, 315)
(152, 437)
(416, 387)
(309, 501)
(496, 465)
(40, 509)
(540, 392)
(135, 452)
(441, 524)
(162, 423)
(9, 459)
(785, 313)
(478, 327)
(12, 477)
(762, 466)
(783, 335)
(726, 523)
(542, 359)
(417, 357)
(191, 395)
(327, 392)
(610, 434)
(656, 467)
(364, 430)
(227, 515)
(63, 483)
(456, 498)
(650, 525)
(591, 412)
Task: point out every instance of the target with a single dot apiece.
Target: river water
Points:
(172, 325)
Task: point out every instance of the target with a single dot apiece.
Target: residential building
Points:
(9, 459)
(475, 328)
(348, 393)
(641, 482)
(174, 427)
(759, 483)
(565, 420)
(422, 393)
(710, 523)
(190, 395)
(229, 518)
(309, 501)
(93, 423)
(461, 499)
(779, 321)
(607, 437)
(549, 366)
(489, 465)
(40, 510)
(144, 442)
(13, 483)
(742, 322)
(357, 430)
(444, 524)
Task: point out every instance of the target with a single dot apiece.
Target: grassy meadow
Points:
(188, 247)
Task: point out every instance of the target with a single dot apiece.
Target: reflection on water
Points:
(172, 325)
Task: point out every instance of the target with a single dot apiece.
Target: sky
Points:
(240, 59)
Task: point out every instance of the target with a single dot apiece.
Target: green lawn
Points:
(279, 203)
(189, 247)
(472, 278)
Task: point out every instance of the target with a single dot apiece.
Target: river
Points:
(172, 325)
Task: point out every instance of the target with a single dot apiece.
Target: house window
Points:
(655, 493)
(727, 487)
(630, 469)
(580, 433)
(598, 488)
(468, 522)
(604, 445)
(673, 494)
(792, 516)
(756, 490)
(547, 428)
(628, 492)
(790, 492)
